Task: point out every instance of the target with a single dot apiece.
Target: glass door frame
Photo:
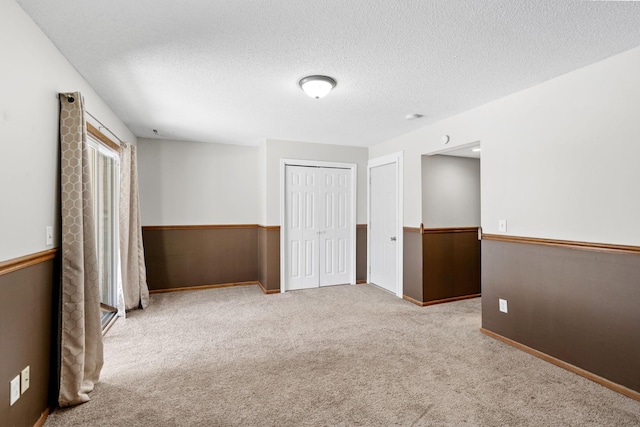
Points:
(98, 152)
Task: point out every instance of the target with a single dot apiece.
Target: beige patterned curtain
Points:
(81, 334)
(134, 273)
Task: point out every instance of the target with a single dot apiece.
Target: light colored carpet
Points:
(338, 356)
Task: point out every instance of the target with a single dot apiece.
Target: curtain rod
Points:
(102, 126)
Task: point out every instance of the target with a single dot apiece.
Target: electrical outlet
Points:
(502, 225)
(49, 235)
(503, 305)
(15, 390)
(24, 376)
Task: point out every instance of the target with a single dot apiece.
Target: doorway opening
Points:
(451, 211)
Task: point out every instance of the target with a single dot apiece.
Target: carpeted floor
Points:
(338, 356)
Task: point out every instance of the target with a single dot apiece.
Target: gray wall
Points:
(450, 191)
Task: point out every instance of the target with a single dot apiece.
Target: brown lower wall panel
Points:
(269, 258)
(412, 268)
(579, 306)
(361, 253)
(451, 264)
(26, 302)
(190, 257)
(184, 256)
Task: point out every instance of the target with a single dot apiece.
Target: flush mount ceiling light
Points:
(476, 149)
(317, 86)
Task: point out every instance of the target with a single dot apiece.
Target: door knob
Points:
(393, 239)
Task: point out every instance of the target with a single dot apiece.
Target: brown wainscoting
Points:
(186, 256)
(15, 264)
(599, 247)
(451, 264)
(578, 306)
(412, 263)
(361, 253)
(569, 367)
(269, 258)
(29, 289)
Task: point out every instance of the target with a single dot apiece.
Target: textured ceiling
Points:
(227, 71)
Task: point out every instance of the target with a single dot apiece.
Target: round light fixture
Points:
(445, 139)
(317, 86)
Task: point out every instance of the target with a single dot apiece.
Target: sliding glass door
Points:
(105, 174)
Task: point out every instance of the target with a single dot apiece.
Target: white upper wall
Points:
(559, 160)
(191, 183)
(450, 191)
(277, 150)
(32, 73)
(262, 182)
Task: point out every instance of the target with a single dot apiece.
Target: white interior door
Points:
(383, 226)
(318, 226)
(335, 234)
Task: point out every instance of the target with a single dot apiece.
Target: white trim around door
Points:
(389, 159)
(351, 256)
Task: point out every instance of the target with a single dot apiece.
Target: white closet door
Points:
(319, 227)
(302, 233)
(334, 215)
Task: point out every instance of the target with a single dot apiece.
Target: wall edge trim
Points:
(198, 227)
(43, 418)
(439, 301)
(450, 230)
(15, 264)
(208, 227)
(564, 365)
(216, 286)
(270, 227)
(202, 287)
(412, 229)
(411, 300)
(267, 291)
(599, 247)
